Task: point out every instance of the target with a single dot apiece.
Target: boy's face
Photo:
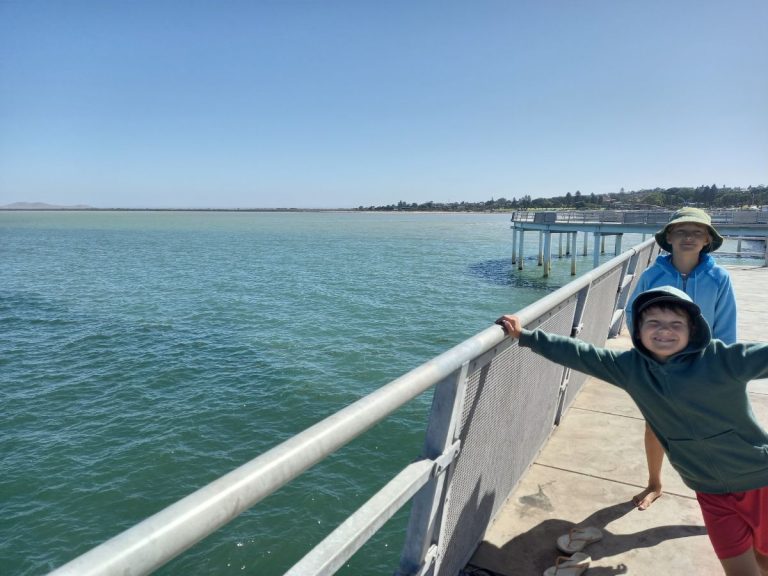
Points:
(664, 333)
(688, 237)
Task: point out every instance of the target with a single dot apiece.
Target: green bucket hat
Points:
(696, 216)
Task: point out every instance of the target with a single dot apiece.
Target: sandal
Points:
(569, 565)
(578, 538)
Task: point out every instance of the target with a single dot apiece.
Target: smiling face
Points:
(664, 331)
(688, 237)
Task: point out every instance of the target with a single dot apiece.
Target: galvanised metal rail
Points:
(593, 216)
(494, 407)
(661, 216)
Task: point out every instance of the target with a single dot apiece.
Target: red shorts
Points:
(736, 521)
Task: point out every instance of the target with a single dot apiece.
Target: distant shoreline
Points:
(92, 209)
(280, 210)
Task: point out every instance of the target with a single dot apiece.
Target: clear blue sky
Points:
(324, 103)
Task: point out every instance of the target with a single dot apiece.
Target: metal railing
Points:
(739, 217)
(594, 216)
(479, 441)
(729, 217)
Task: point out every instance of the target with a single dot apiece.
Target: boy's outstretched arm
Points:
(511, 324)
(586, 358)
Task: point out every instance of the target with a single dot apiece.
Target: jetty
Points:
(595, 226)
(516, 451)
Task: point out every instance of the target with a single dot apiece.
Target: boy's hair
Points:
(668, 306)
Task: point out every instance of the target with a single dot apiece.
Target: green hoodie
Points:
(696, 402)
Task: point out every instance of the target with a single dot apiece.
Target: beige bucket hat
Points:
(696, 216)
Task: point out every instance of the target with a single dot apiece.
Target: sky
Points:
(340, 104)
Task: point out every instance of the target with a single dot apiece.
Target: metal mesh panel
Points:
(505, 422)
(596, 318)
(645, 258)
(635, 268)
(596, 321)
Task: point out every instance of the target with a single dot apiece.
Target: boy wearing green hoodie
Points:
(691, 390)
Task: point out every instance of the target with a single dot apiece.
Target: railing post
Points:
(514, 243)
(576, 324)
(628, 271)
(596, 253)
(547, 253)
(573, 255)
(541, 249)
(765, 259)
(442, 432)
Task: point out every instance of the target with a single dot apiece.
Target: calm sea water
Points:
(144, 354)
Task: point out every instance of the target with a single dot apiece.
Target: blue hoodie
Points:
(708, 285)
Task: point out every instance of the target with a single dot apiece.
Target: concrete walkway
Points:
(592, 466)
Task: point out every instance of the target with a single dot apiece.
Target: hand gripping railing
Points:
(161, 537)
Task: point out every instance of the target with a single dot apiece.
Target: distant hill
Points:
(42, 206)
(648, 199)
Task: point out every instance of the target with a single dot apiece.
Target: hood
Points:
(669, 294)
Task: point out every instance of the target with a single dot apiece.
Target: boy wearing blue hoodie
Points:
(691, 389)
(689, 238)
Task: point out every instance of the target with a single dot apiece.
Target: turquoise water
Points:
(144, 354)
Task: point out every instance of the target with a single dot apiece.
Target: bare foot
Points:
(647, 497)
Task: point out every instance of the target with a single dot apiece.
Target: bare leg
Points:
(654, 455)
(745, 564)
(762, 562)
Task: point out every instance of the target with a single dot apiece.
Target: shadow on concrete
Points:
(528, 554)
(613, 544)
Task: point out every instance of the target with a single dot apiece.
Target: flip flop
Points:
(569, 565)
(578, 538)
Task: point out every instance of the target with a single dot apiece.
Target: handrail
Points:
(161, 537)
(660, 216)
(339, 545)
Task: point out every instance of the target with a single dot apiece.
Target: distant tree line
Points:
(657, 198)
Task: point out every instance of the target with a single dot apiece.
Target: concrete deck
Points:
(592, 466)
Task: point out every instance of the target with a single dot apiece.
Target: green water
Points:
(144, 354)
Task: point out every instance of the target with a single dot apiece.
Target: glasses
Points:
(656, 325)
(681, 234)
